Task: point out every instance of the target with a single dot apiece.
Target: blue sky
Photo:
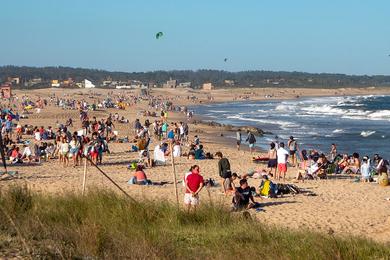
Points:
(343, 36)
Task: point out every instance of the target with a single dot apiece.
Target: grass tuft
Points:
(104, 225)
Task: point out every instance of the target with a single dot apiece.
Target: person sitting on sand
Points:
(199, 153)
(145, 158)
(354, 166)
(191, 152)
(139, 177)
(243, 198)
(50, 151)
(164, 149)
(177, 149)
(27, 153)
(194, 184)
(342, 164)
(15, 156)
(381, 165)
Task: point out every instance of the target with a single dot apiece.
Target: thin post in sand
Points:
(111, 180)
(85, 176)
(174, 174)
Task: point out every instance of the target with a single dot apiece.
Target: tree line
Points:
(218, 78)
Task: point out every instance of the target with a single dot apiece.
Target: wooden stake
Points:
(174, 175)
(85, 175)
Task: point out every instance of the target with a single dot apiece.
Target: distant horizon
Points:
(194, 70)
(324, 36)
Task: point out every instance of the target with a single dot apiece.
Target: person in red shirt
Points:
(15, 156)
(194, 184)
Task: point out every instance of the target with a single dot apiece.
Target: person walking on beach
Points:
(282, 156)
(293, 147)
(251, 139)
(194, 184)
(238, 139)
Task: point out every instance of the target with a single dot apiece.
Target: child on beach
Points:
(365, 169)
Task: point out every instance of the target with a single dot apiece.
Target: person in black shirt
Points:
(223, 169)
(243, 198)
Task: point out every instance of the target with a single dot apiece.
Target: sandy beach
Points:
(342, 205)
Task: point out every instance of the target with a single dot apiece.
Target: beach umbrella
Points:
(159, 35)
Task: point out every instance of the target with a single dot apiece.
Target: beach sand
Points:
(346, 207)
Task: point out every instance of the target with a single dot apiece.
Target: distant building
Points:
(55, 83)
(229, 82)
(14, 81)
(68, 83)
(185, 85)
(172, 83)
(88, 84)
(207, 86)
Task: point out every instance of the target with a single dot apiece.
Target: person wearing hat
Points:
(293, 147)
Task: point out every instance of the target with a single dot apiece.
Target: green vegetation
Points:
(105, 225)
(217, 77)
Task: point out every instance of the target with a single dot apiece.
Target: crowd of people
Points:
(32, 144)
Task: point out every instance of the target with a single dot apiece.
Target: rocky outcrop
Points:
(226, 127)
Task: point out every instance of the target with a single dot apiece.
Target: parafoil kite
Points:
(159, 35)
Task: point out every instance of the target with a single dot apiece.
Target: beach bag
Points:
(383, 180)
(267, 188)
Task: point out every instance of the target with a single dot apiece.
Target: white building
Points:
(88, 84)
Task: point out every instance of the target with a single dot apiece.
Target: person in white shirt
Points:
(27, 154)
(282, 155)
(176, 150)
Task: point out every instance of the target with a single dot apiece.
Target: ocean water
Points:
(355, 123)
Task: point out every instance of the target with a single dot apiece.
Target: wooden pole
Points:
(174, 174)
(85, 175)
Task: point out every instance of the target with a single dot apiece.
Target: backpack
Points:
(267, 188)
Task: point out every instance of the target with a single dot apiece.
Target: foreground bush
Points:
(105, 225)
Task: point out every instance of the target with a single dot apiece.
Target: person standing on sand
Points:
(194, 184)
(293, 147)
(333, 152)
(238, 139)
(251, 139)
(272, 159)
(282, 156)
(223, 169)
